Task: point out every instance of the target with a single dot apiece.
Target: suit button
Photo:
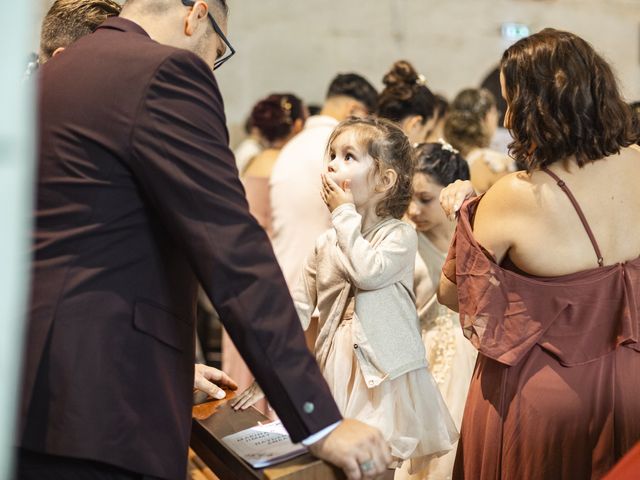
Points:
(355, 345)
(308, 407)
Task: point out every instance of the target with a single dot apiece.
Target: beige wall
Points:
(299, 45)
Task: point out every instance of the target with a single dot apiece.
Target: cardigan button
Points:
(308, 407)
(355, 345)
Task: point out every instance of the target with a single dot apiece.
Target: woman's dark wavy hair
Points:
(389, 147)
(405, 94)
(275, 115)
(441, 162)
(563, 101)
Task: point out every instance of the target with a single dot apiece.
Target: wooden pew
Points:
(215, 419)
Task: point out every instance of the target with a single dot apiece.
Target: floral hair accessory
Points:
(286, 107)
(447, 146)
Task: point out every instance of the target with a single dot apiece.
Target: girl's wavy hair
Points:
(389, 147)
(563, 100)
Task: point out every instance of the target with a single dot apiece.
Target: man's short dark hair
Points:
(68, 20)
(354, 86)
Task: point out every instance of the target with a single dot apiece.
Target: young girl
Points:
(450, 355)
(360, 277)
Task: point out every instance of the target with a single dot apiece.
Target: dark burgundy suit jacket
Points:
(139, 199)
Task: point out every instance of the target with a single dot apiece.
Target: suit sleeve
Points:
(181, 158)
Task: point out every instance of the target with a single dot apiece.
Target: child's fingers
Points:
(248, 401)
(237, 404)
(331, 184)
(325, 181)
(236, 401)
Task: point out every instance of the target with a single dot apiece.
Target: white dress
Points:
(409, 409)
(451, 356)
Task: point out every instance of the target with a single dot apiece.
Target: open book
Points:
(264, 445)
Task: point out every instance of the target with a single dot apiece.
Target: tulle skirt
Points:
(409, 410)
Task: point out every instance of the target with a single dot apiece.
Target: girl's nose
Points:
(330, 167)
(413, 209)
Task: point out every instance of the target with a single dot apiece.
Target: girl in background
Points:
(451, 357)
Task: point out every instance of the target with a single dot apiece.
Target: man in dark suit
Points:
(138, 200)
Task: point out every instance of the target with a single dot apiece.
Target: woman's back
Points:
(552, 381)
(552, 395)
(532, 220)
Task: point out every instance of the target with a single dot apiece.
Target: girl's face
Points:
(349, 161)
(425, 210)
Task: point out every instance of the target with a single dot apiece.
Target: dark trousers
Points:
(40, 466)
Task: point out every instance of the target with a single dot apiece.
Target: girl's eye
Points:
(348, 156)
(332, 156)
(425, 199)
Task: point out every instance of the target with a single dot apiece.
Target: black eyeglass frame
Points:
(218, 30)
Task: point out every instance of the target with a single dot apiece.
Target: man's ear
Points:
(57, 51)
(413, 123)
(194, 17)
(387, 180)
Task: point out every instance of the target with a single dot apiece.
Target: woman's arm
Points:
(493, 226)
(448, 292)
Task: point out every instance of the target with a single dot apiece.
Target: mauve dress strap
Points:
(575, 204)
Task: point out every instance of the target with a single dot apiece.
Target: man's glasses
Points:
(230, 50)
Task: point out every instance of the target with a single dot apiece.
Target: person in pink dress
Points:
(277, 118)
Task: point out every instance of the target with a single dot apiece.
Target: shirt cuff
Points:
(307, 442)
(345, 206)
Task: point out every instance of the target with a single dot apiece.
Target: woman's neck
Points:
(441, 235)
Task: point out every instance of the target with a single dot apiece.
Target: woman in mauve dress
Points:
(545, 272)
(277, 118)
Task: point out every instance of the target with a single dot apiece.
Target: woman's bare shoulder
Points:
(513, 191)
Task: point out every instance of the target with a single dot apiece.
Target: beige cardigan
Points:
(379, 265)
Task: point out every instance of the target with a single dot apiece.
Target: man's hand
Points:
(247, 398)
(209, 380)
(333, 195)
(453, 195)
(357, 448)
